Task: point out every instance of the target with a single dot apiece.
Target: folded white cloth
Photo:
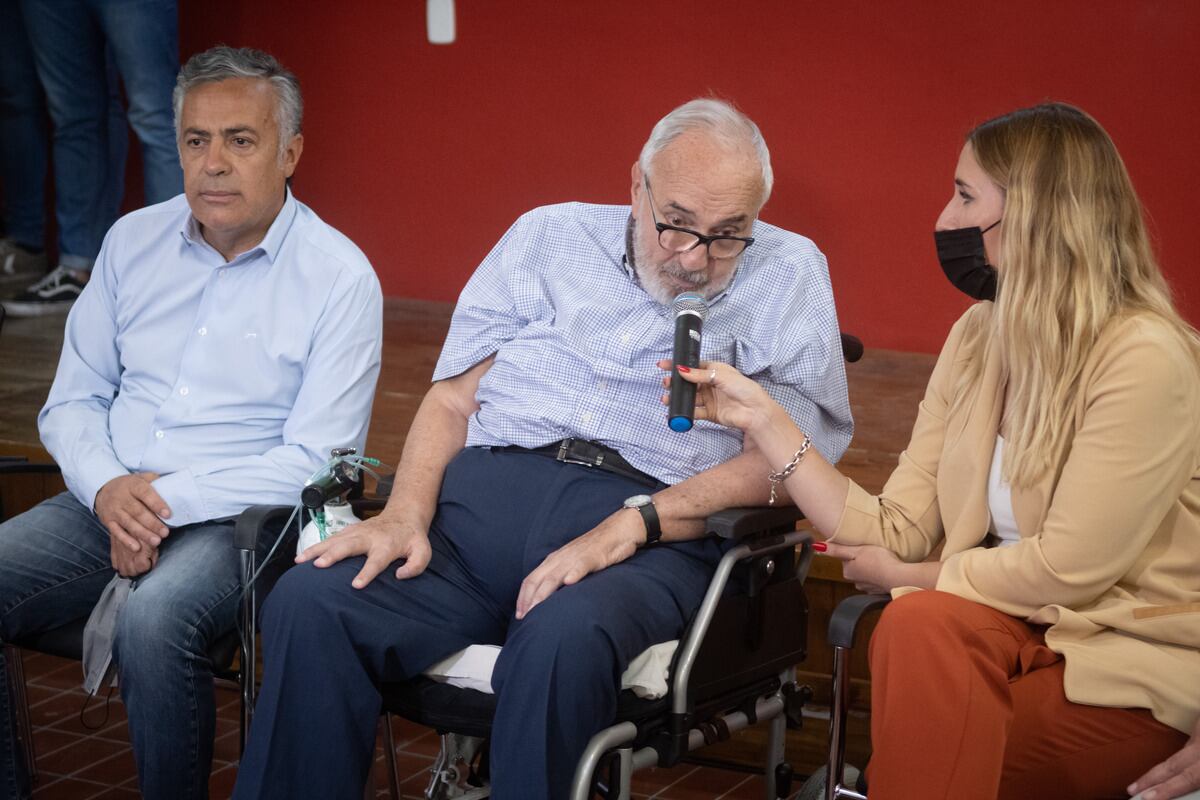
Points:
(472, 669)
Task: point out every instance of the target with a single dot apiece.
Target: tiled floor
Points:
(88, 757)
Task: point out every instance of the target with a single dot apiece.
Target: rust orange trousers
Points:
(968, 702)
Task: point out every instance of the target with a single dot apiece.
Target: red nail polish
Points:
(820, 547)
(682, 368)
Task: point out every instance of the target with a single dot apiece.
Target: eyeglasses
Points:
(681, 240)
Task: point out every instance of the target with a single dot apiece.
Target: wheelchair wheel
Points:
(814, 787)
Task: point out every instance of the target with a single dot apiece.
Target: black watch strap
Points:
(653, 527)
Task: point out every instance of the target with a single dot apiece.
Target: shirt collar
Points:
(271, 242)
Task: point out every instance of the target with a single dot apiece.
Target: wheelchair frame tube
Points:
(837, 729)
(249, 653)
(625, 773)
(777, 739)
(601, 743)
(766, 708)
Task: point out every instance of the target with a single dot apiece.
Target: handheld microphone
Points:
(690, 310)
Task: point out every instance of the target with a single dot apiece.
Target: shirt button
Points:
(625, 338)
(159, 434)
(586, 416)
(602, 386)
(203, 331)
(183, 390)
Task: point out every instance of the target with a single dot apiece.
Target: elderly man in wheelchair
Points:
(542, 503)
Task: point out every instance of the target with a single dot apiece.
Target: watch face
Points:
(638, 500)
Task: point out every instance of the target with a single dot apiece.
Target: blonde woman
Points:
(1056, 461)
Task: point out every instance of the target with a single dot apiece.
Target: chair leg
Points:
(247, 674)
(389, 748)
(16, 674)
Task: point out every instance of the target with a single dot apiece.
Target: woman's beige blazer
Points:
(1109, 555)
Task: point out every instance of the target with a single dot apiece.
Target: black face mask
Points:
(964, 260)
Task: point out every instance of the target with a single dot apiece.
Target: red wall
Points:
(424, 154)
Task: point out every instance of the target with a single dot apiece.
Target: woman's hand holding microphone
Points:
(729, 398)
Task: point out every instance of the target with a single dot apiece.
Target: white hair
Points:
(720, 120)
(222, 63)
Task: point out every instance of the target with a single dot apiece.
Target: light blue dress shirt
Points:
(577, 341)
(231, 380)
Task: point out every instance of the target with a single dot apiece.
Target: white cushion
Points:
(472, 669)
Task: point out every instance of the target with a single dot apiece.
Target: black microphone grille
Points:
(690, 302)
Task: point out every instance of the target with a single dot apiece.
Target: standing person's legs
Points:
(23, 148)
(69, 49)
(113, 191)
(143, 37)
(54, 562)
(172, 617)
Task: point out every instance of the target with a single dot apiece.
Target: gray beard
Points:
(664, 281)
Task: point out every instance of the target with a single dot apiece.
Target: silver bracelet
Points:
(777, 478)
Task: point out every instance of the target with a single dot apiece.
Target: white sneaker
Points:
(18, 267)
(53, 294)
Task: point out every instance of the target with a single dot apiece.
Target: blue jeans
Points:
(74, 41)
(54, 561)
(328, 646)
(23, 142)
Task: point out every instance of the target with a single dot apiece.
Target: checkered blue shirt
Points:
(576, 340)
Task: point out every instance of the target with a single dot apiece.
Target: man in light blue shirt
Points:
(496, 533)
(227, 341)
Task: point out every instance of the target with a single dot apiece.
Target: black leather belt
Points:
(589, 454)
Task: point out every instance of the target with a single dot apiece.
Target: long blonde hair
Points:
(1075, 255)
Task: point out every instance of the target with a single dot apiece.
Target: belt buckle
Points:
(565, 455)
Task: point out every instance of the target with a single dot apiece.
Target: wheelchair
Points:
(733, 667)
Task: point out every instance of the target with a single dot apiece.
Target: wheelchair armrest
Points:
(365, 505)
(252, 524)
(738, 523)
(843, 624)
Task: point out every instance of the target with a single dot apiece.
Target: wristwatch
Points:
(644, 504)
